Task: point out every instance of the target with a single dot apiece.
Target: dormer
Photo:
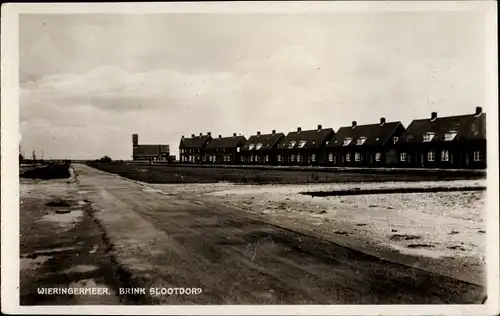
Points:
(450, 135)
(258, 146)
(347, 141)
(427, 137)
(302, 143)
(291, 144)
(361, 140)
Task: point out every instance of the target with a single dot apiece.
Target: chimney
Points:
(258, 133)
(354, 124)
(434, 115)
(479, 110)
(382, 121)
(320, 127)
(201, 134)
(182, 137)
(135, 139)
(234, 134)
(192, 135)
(220, 136)
(299, 129)
(209, 133)
(274, 131)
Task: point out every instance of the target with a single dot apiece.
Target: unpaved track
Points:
(167, 240)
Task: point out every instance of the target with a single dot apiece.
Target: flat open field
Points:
(185, 174)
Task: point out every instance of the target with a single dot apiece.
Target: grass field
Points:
(185, 174)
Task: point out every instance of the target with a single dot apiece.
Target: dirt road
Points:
(166, 240)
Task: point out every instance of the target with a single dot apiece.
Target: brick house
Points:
(445, 142)
(303, 148)
(224, 150)
(259, 149)
(192, 150)
(371, 145)
(149, 152)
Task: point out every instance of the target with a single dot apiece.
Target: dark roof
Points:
(376, 134)
(150, 150)
(313, 138)
(194, 142)
(468, 127)
(267, 140)
(226, 142)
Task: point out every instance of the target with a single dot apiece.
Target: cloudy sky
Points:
(89, 81)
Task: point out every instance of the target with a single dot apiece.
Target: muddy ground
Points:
(183, 174)
(121, 233)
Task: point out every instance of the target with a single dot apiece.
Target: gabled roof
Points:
(226, 142)
(150, 150)
(268, 141)
(376, 134)
(312, 138)
(467, 127)
(194, 141)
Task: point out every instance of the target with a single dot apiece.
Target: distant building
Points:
(365, 145)
(192, 150)
(259, 149)
(224, 150)
(304, 147)
(149, 152)
(445, 142)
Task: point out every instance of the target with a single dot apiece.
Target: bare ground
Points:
(170, 236)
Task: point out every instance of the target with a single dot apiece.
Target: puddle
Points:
(64, 220)
(82, 192)
(82, 268)
(29, 263)
(418, 251)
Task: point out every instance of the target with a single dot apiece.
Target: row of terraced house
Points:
(434, 142)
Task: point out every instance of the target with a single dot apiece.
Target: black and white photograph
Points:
(250, 158)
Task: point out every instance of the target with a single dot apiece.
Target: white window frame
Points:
(477, 156)
(278, 157)
(251, 146)
(450, 136)
(292, 144)
(313, 157)
(330, 157)
(445, 155)
(302, 143)
(258, 146)
(292, 158)
(357, 156)
(402, 157)
(347, 141)
(431, 156)
(267, 158)
(299, 158)
(378, 156)
(348, 157)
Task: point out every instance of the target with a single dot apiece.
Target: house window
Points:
(302, 143)
(242, 159)
(402, 157)
(444, 155)
(450, 135)
(278, 157)
(257, 158)
(330, 157)
(267, 158)
(395, 140)
(251, 146)
(251, 158)
(258, 146)
(357, 156)
(428, 137)
(291, 144)
(347, 141)
(292, 158)
(361, 141)
(299, 158)
(431, 156)
(313, 157)
(377, 156)
(348, 157)
(477, 156)
(237, 149)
